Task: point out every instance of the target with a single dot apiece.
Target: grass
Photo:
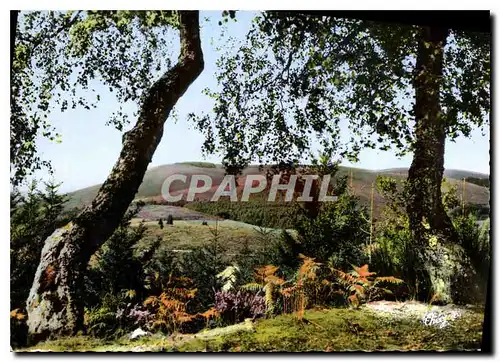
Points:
(344, 330)
(184, 235)
(338, 329)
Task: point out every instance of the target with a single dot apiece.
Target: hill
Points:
(150, 188)
(452, 174)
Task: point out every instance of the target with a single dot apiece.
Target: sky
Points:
(89, 148)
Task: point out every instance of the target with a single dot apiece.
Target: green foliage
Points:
(485, 182)
(394, 252)
(202, 265)
(475, 240)
(58, 56)
(479, 211)
(34, 217)
(284, 252)
(450, 196)
(334, 230)
(338, 233)
(101, 321)
(256, 211)
(297, 76)
(115, 266)
(360, 285)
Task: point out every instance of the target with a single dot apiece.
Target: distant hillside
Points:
(361, 180)
(452, 174)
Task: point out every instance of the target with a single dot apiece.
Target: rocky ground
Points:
(429, 315)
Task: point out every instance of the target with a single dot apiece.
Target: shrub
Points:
(307, 289)
(234, 307)
(360, 285)
(170, 308)
(116, 266)
(338, 232)
(141, 317)
(394, 252)
(202, 265)
(268, 282)
(475, 241)
(18, 329)
(110, 318)
(33, 218)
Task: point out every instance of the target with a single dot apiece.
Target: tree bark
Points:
(55, 303)
(426, 212)
(426, 172)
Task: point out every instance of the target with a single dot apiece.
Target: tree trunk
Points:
(426, 172)
(55, 303)
(426, 212)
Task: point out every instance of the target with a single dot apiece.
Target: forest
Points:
(396, 262)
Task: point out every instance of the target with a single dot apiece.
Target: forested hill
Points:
(361, 181)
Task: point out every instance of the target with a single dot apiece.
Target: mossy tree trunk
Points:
(427, 216)
(55, 302)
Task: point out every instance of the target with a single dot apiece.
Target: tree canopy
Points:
(59, 54)
(298, 77)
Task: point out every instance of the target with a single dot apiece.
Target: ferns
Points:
(308, 269)
(360, 285)
(391, 280)
(229, 277)
(170, 307)
(267, 281)
(313, 284)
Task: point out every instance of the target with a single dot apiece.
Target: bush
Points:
(475, 240)
(234, 307)
(361, 286)
(170, 309)
(480, 211)
(393, 251)
(33, 218)
(18, 329)
(202, 265)
(104, 321)
(338, 233)
(121, 277)
(116, 266)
